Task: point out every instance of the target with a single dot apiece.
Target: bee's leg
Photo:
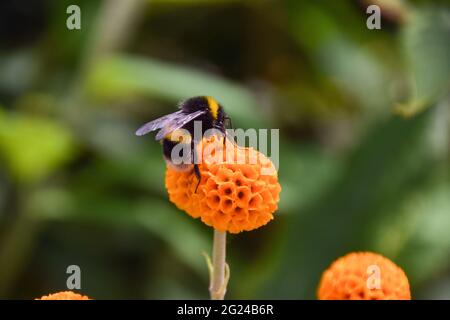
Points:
(198, 175)
(224, 133)
(194, 161)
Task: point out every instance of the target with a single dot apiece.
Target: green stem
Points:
(220, 273)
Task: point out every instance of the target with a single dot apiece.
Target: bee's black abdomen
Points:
(168, 146)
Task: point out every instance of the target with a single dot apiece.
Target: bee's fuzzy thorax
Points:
(213, 107)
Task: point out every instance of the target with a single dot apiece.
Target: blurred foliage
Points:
(121, 77)
(364, 117)
(424, 37)
(48, 145)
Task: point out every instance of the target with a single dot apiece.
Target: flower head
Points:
(64, 295)
(364, 276)
(239, 188)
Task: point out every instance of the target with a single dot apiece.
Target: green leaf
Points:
(305, 176)
(33, 147)
(427, 48)
(418, 234)
(125, 76)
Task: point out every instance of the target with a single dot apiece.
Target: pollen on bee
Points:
(180, 136)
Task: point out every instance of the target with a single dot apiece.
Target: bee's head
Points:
(222, 120)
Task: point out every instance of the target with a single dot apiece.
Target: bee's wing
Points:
(177, 123)
(158, 123)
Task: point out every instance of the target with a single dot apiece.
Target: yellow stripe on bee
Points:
(213, 107)
(179, 135)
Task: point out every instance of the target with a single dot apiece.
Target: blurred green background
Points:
(364, 118)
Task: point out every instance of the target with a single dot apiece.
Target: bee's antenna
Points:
(229, 121)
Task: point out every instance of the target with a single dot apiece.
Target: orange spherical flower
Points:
(364, 276)
(238, 191)
(64, 295)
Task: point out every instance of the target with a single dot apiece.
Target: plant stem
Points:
(219, 278)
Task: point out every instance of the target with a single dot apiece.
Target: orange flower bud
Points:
(64, 295)
(364, 276)
(239, 189)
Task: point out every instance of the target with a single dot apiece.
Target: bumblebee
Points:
(202, 108)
